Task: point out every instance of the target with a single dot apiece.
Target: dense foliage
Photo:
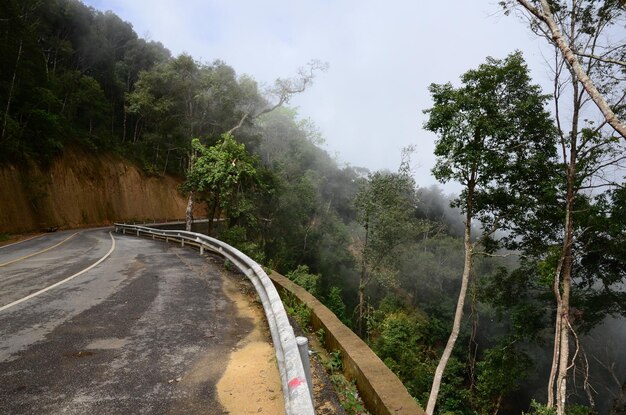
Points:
(64, 75)
(73, 75)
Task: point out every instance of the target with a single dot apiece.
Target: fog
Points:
(382, 58)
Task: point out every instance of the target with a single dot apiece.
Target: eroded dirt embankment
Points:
(80, 189)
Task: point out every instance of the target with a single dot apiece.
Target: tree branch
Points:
(532, 9)
(236, 127)
(500, 255)
(600, 186)
(545, 16)
(285, 89)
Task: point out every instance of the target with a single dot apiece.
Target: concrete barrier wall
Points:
(381, 390)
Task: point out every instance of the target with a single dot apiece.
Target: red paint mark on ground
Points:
(295, 382)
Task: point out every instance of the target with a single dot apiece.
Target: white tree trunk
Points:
(557, 338)
(566, 284)
(458, 316)
(6, 112)
(189, 212)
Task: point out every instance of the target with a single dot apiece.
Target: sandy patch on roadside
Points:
(251, 382)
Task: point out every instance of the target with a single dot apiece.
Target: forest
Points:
(503, 299)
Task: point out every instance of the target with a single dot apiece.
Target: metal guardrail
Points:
(296, 390)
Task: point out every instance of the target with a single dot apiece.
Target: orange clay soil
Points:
(251, 382)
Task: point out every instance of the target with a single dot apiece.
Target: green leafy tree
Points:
(495, 138)
(335, 303)
(385, 206)
(225, 173)
(402, 339)
(499, 373)
(243, 101)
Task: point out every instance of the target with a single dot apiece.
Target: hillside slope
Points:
(81, 189)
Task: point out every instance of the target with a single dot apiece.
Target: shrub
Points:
(302, 277)
(335, 303)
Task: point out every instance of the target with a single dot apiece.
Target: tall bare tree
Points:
(590, 37)
(589, 67)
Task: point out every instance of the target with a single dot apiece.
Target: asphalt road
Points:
(148, 330)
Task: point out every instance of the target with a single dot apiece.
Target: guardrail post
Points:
(124, 231)
(137, 232)
(303, 348)
(182, 242)
(201, 250)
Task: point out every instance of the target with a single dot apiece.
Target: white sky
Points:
(382, 56)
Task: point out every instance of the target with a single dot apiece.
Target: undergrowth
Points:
(300, 312)
(346, 390)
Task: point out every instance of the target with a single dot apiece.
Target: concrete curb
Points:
(381, 390)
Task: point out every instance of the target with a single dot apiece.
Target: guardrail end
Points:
(303, 348)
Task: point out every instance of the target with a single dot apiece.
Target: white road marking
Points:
(39, 252)
(35, 294)
(23, 240)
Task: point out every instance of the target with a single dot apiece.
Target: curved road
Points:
(122, 337)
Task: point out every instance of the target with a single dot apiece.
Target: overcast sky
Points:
(382, 56)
